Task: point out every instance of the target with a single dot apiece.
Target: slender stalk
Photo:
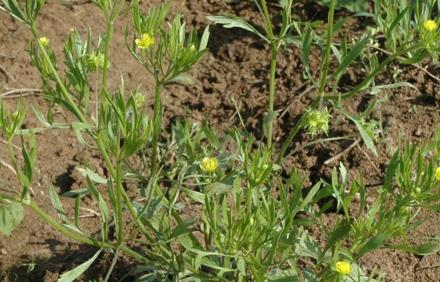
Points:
(108, 38)
(321, 141)
(273, 65)
(112, 266)
(105, 156)
(81, 238)
(375, 72)
(124, 196)
(272, 81)
(267, 21)
(325, 66)
(118, 204)
(290, 137)
(157, 123)
(65, 231)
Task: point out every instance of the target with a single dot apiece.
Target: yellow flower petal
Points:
(430, 25)
(437, 173)
(209, 164)
(145, 41)
(343, 267)
(44, 40)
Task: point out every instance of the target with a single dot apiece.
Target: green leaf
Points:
(364, 134)
(348, 58)
(232, 21)
(310, 196)
(75, 193)
(78, 129)
(305, 50)
(372, 244)
(181, 79)
(11, 214)
(307, 246)
(57, 204)
(338, 234)
(183, 228)
(105, 214)
(73, 274)
(12, 7)
(428, 248)
(391, 172)
(195, 196)
(396, 22)
(92, 175)
(204, 40)
(378, 88)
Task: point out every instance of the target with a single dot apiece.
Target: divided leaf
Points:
(11, 214)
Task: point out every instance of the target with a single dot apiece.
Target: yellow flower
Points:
(430, 25)
(145, 42)
(437, 173)
(44, 40)
(209, 164)
(343, 267)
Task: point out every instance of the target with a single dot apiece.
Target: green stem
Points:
(374, 73)
(157, 124)
(358, 88)
(118, 204)
(124, 197)
(290, 137)
(66, 95)
(81, 238)
(105, 156)
(108, 38)
(272, 81)
(267, 21)
(326, 63)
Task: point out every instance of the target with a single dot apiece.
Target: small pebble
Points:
(418, 132)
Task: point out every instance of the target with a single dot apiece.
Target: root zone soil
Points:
(234, 72)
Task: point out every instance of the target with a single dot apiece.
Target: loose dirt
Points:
(231, 76)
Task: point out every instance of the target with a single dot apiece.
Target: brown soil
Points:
(235, 69)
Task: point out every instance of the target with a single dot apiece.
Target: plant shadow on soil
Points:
(72, 255)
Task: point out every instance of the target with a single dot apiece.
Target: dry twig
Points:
(7, 56)
(9, 76)
(370, 160)
(8, 166)
(338, 156)
(15, 93)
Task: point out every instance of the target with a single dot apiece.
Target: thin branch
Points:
(15, 93)
(370, 160)
(8, 166)
(338, 156)
(320, 141)
(90, 211)
(9, 76)
(7, 56)
(13, 145)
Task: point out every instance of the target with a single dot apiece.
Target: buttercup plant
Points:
(116, 126)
